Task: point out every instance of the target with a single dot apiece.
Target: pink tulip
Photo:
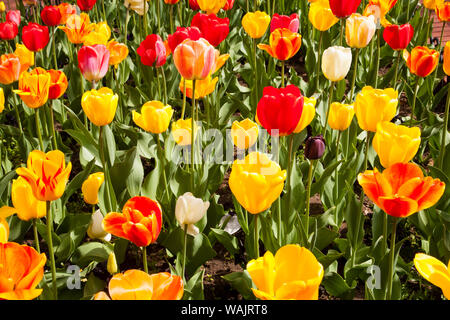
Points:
(93, 61)
(291, 22)
(13, 16)
(195, 60)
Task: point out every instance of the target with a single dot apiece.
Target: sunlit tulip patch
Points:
(224, 149)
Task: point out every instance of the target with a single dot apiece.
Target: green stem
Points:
(108, 204)
(378, 58)
(164, 85)
(414, 101)
(192, 132)
(171, 18)
(282, 73)
(256, 235)
(104, 11)
(36, 237)
(55, 61)
(145, 21)
(163, 165)
(16, 110)
(159, 84)
(438, 50)
(38, 128)
(341, 37)
(126, 27)
(52, 126)
(391, 260)
(50, 250)
(158, 14)
(289, 171)
(144, 259)
(256, 71)
(318, 60)
(308, 196)
(330, 100)
(352, 90)
(184, 251)
(336, 181)
(397, 64)
(444, 131)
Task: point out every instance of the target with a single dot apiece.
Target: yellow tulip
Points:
(434, 271)
(256, 182)
(211, 6)
(340, 116)
(154, 117)
(308, 113)
(100, 105)
(2, 100)
(430, 4)
(359, 30)
(395, 143)
(26, 57)
(4, 230)
(90, 187)
(2, 7)
(321, 16)
(244, 133)
(78, 27)
(375, 105)
(447, 58)
(34, 87)
(293, 274)
(100, 35)
(203, 87)
(111, 265)
(182, 131)
(256, 23)
(24, 202)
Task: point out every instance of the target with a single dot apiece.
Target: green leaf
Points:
(242, 282)
(228, 241)
(93, 285)
(91, 251)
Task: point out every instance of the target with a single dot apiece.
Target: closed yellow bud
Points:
(308, 113)
(2, 100)
(256, 182)
(256, 23)
(100, 105)
(111, 265)
(395, 143)
(359, 30)
(203, 87)
(91, 186)
(182, 131)
(2, 6)
(340, 116)
(375, 105)
(244, 133)
(154, 117)
(321, 16)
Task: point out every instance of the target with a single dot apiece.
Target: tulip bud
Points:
(100, 105)
(314, 147)
(244, 133)
(341, 116)
(256, 23)
(2, 7)
(111, 265)
(95, 229)
(91, 186)
(190, 210)
(336, 62)
(182, 131)
(359, 30)
(321, 16)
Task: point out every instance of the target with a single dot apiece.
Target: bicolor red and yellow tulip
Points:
(283, 44)
(422, 61)
(34, 87)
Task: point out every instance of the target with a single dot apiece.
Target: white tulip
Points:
(190, 210)
(95, 230)
(139, 6)
(336, 62)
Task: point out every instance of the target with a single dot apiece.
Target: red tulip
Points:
(213, 28)
(398, 37)
(51, 16)
(13, 16)
(8, 30)
(93, 61)
(280, 109)
(86, 5)
(182, 34)
(35, 37)
(291, 22)
(228, 5)
(152, 51)
(194, 5)
(344, 8)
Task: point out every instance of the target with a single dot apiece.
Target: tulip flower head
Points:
(401, 190)
(256, 23)
(100, 105)
(93, 61)
(91, 186)
(182, 131)
(336, 62)
(359, 30)
(434, 271)
(58, 84)
(373, 106)
(379, 9)
(8, 30)
(35, 37)
(430, 4)
(9, 68)
(308, 113)
(99, 35)
(344, 8)
(26, 57)
(154, 117)
(189, 210)
(294, 273)
(256, 182)
(341, 116)
(51, 16)
(321, 16)
(443, 10)
(152, 51)
(138, 6)
(195, 59)
(291, 22)
(86, 5)
(244, 133)
(315, 147)
(117, 52)
(111, 264)
(13, 16)
(182, 34)
(398, 37)
(139, 285)
(46, 173)
(66, 10)
(283, 44)
(22, 270)
(446, 65)
(203, 88)
(422, 61)
(95, 229)
(212, 28)
(211, 6)
(34, 87)
(77, 27)
(140, 221)
(2, 6)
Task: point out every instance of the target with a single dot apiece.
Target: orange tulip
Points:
(66, 10)
(443, 11)
(9, 68)
(401, 190)
(78, 27)
(138, 285)
(34, 87)
(21, 270)
(140, 221)
(46, 173)
(422, 61)
(58, 84)
(283, 44)
(117, 52)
